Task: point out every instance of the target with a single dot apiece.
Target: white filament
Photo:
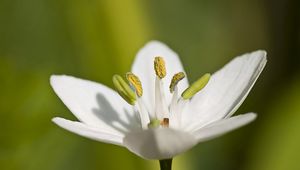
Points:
(143, 113)
(161, 108)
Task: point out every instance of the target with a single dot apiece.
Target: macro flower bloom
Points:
(155, 113)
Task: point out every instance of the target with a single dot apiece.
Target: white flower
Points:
(184, 121)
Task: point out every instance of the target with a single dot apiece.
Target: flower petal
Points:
(161, 143)
(143, 67)
(223, 126)
(226, 90)
(95, 104)
(88, 131)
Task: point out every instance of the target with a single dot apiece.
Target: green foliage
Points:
(277, 144)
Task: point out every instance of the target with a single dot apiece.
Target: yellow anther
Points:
(124, 89)
(176, 78)
(159, 67)
(196, 87)
(135, 82)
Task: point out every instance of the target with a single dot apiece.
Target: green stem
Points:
(165, 164)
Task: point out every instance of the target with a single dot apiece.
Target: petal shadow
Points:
(106, 112)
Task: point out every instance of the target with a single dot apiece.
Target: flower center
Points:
(165, 114)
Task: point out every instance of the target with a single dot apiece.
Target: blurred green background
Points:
(95, 39)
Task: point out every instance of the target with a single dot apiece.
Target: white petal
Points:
(226, 90)
(159, 143)
(88, 131)
(143, 67)
(95, 104)
(223, 126)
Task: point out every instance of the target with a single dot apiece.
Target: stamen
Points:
(176, 78)
(124, 89)
(135, 82)
(165, 122)
(196, 87)
(159, 67)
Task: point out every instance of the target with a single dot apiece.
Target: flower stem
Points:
(165, 164)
